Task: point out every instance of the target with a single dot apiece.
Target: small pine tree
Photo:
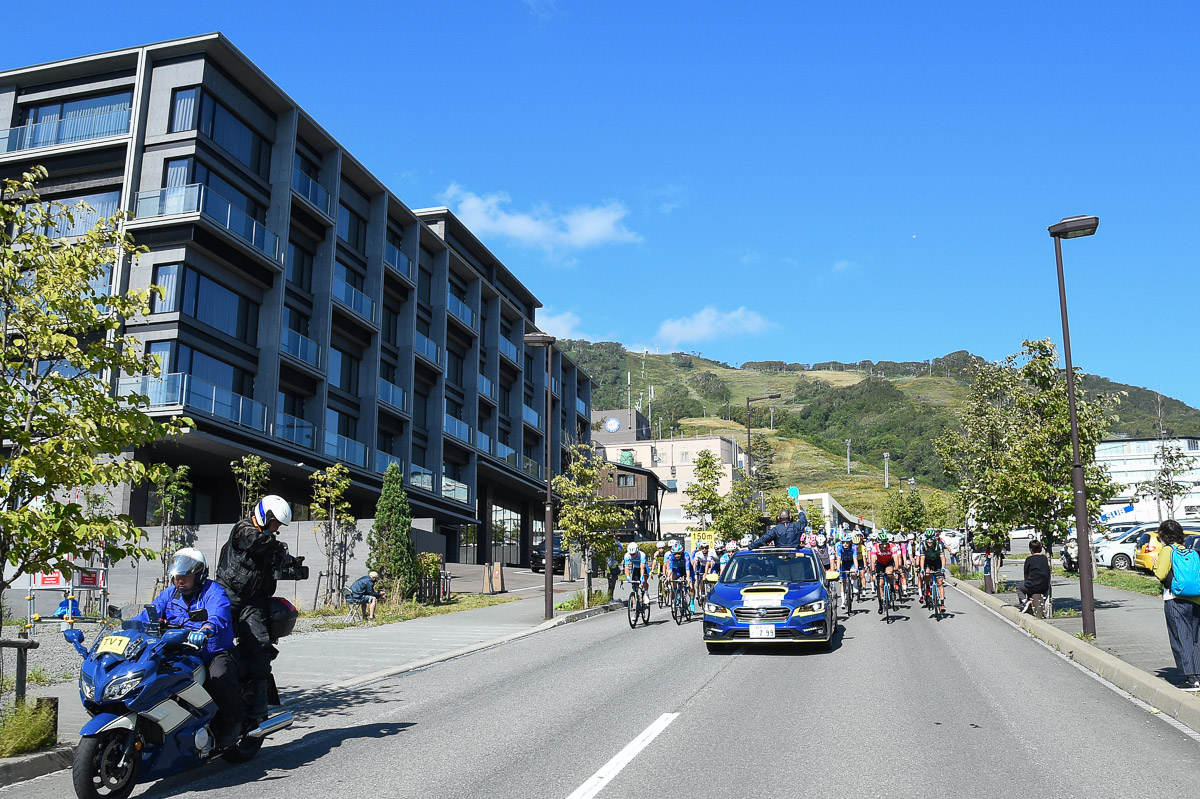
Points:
(392, 552)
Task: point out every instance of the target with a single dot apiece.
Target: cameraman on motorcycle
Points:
(191, 590)
(247, 572)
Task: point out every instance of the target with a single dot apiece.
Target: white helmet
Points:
(747, 540)
(189, 561)
(631, 548)
(730, 546)
(661, 545)
(820, 539)
(272, 508)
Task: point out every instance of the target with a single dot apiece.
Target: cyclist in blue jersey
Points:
(730, 548)
(675, 568)
(637, 569)
(845, 559)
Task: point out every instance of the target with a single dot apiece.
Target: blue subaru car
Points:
(770, 596)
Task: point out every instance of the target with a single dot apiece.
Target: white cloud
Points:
(576, 229)
(709, 324)
(560, 325)
(842, 266)
(667, 198)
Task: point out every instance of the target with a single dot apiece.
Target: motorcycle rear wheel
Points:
(96, 772)
(243, 750)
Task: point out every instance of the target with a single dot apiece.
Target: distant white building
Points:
(1131, 461)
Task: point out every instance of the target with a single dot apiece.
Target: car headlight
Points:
(713, 609)
(120, 687)
(87, 686)
(811, 607)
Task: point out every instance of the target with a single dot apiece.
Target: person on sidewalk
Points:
(1183, 614)
(1037, 574)
(362, 592)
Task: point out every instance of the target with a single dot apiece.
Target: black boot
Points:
(258, 709)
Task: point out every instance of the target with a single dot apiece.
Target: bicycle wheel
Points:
(887, 599)
(676, 606)
(936, 594)
(662, 593)
(645, 608)
(633, 610)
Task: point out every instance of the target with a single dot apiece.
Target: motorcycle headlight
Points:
(87, 686)
(120, 687)
(713, 609)
(811, 607)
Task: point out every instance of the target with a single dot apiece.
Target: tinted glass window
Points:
(786, 567)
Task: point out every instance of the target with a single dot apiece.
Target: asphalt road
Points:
(965, 706)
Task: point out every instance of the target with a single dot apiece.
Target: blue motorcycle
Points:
(143, 685)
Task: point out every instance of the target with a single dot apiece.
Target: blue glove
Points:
(199, 638)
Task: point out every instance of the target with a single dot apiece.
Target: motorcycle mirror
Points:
(114, 612)
(75, 638)
(199, 614)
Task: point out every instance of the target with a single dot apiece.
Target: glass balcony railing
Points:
(425, 346)
(353, 299)
(298, 431)
(420, 477)
(508, 349)
(182, 390)
(486, 387)
(581, 406)
(452, 489)
(532, 467)
(457, 428)
(196, 197)
(300, 346)
(397, 260)
(97, 125)
(393, 395)
(461, 310)
(346, 449)
(531, 416)
(312, 191)
(508, 455)
(556, 386)
(383, 460)
(483, 441)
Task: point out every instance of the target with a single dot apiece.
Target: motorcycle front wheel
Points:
(101, 769)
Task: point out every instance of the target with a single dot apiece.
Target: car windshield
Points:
(788, 567)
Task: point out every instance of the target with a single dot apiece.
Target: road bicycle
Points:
(935, 596)
(681, 602)
(638, 605)
(849, 582)
(664, 590)
(887, 595)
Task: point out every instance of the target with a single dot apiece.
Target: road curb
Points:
(1160, 695)
(26, 767)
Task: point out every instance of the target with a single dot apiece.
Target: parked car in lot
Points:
(1148, 543)
(1117, 551)
(537, 558)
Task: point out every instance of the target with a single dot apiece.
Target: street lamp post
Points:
(748, 401)
(546, 340)
(886, 456)
(848, 440)
(1070, 228)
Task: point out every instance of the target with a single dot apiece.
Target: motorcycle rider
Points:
(191, 590)
(247, 572)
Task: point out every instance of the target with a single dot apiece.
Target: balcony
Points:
(582, 407)
(195, 198)
(397, 260)
(184, 391)
(460, 310)
(312, 191)
(301, 347)
(346, 449)
(531, 416)
(97, 125)
(354, 299)
(452, 489)
(487, 388)
(383, 460)
(532, 467)
(556, 386)
(420, 477)
(484, 442)
(457, 428)
(393, 395)
(509, 350)
(424, 346)
(508, 455)
(295, 430)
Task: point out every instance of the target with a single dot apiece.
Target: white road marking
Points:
(613, 767)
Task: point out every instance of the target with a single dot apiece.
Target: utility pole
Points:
(848, 440)
(772, 417)
(886, 457)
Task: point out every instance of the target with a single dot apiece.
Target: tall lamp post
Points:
(748, 401)
(546, 340)
(886, 456)
(848, 440)
(1074, 227)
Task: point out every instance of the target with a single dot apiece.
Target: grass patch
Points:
(1082, 636)
(391, 612)
(957, 571)
(34, 676)
(1020, 556)
(1067, 613)
(1126, 581)
(24, 727)
(575, 602)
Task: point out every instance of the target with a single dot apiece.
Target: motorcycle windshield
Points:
(115, 626)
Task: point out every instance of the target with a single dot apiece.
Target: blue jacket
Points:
(171, 605)
(790, 535)
(362, 588)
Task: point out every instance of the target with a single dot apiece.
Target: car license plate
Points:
(762, 630)
(113, 644)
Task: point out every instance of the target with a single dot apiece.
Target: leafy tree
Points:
(337, 529)
(816, 517)
(738, 512)
(704, 499)
(586, 518)
(390, 543)
(252, 475)
(904, 513)
(62, 340)
(937, 511)
(172, 492)
(762, 457)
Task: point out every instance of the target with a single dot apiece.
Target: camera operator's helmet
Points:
(272, 508)
(189, 561)
(632, 548)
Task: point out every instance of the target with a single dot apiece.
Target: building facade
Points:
(309, 316)
(1133, 460)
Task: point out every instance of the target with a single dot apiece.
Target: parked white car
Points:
(1117, 551)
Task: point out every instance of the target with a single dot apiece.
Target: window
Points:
(343, 370)
(299, 266)
(505, 399)
(421, 409)
(195, 109)
(294, 320)
(291, 404)
(341, 423)
(307, 167)
(166, 276)
(103, 204)
(424, 286)
(352, 228)
(454, 367)
(211, 303)
(162, 349)
(625, 481)
(182, 171)
(213, 370)
(350, 276)
(391, 326)
(75, 120)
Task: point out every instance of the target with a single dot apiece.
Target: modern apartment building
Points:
(310, 316)
(1134, 460)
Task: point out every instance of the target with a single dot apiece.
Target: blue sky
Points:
(798, 181)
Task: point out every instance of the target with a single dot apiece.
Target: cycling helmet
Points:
(847, 538)
(702, 545)
(661, 545)
(931, 533)
(189, 561)
(730, 546)
(820, 539)
(631, 548)
(272, 508)
(676, 547)
(746, 541)
(883, 537)
(875, 536)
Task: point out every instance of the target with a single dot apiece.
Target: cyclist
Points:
(846, 557)
(675, 569)
(656, 566)
(714, 559)
(699, 561)
(861, 555)
(884, 555)
(637, 570)
(730, 548)
(930, 563)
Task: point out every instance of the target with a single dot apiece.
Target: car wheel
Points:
(1121, 562)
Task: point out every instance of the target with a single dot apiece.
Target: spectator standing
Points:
(363, 592)
(1037, 574)
(1182, 614)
